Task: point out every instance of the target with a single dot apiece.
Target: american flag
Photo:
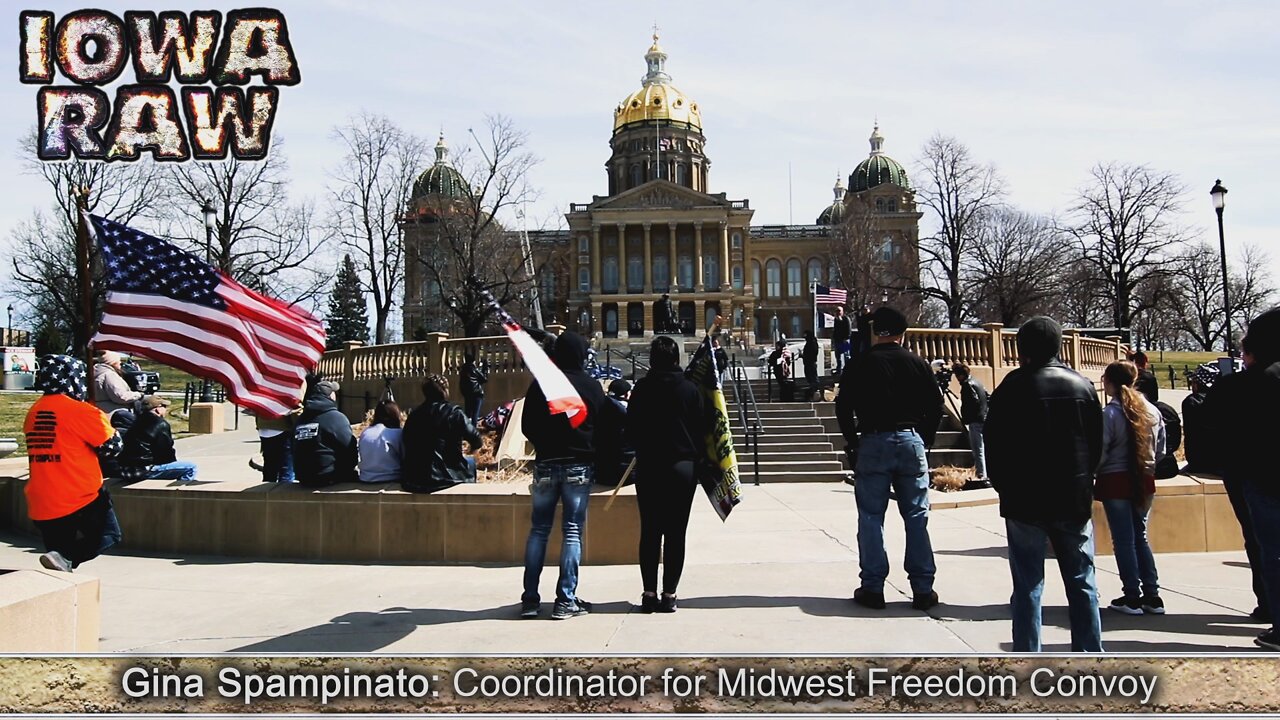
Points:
(168, 305)
(823, 295)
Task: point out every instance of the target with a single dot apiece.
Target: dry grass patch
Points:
(949, 478)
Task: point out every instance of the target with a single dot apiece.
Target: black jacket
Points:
(1242, 409)
(1204, 454)
(885, 389)
(973, 402)
(1147, 385)
(809, 353)
(324, 449)
(668, 419)
(841, 329)
(553, 437)
(864, 333)
(432, 447)
(1043, 442)
(613, 452)
(472, 380)
(148, 442)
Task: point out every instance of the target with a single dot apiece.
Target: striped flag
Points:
(168, 305)
(823, 295)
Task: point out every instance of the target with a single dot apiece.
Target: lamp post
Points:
(1115, 310)
(8, 329)
(1219, 195)
(210, 223)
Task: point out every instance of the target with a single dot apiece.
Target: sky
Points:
(788, 92)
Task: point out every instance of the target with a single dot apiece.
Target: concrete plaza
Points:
(775, 578)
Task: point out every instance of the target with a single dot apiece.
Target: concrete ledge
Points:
(43, 611)
(351, 522)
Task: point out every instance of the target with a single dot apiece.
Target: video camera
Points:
(942, 375)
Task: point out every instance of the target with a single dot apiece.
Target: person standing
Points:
(667, 421)
(841, 335)
(65, 438)
(864, 331)
(1146, 382)
(474, 376)
(148, 446)
(432, 442)
(613, 452)
(973, 413)
(110, 390)
(1242, 407)
(780, 367)
(275, 441)
(664, 315)
(1043, 442)
(324, 448)
(379, 447)
(563, 473)
(809, 354)
(1132, 439)
(892, 393)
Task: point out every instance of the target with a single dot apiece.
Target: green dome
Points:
(441, 178)
(877, 169)
(834, 213)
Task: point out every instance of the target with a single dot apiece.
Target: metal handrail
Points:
(754, 429)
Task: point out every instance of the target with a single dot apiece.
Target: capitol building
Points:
(660, 229)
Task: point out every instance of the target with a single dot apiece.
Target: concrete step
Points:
(774, 421)
(956, 458)
(798, 431)
(794, 441)
(809, 445)
(951, 440)
(798, 466)
(767, 412)
(747, 477)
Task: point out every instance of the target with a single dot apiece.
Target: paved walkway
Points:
(775, 578)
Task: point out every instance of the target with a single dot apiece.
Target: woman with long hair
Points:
(666, 422)
(433, 437)
(1132, 441)
(379, 445)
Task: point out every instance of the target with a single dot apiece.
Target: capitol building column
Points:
(697, 258)
(648, 261)
(724, 257)
(672, 265)
(595, 259)
(623, 284)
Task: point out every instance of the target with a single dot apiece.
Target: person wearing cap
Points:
(66, 437)
(892, 394)
(148, 446)
(1043, 443)
(1242, 410)
(324, 448)
(613, 452)
(110, 391)
(1203, 455)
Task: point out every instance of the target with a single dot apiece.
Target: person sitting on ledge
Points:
(380, 447)
(324, 448)
(148, 446)
(432, 442)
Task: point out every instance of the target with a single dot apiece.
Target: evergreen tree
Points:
(348, 316)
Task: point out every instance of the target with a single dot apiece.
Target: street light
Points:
(1115, 308)
(8, 330)
(210, 223)
(1219, 195)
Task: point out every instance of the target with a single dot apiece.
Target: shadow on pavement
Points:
(1000, 551)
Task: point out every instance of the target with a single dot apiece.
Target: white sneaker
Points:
(54, 560)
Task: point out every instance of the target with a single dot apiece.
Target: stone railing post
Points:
(349, 360)
(1120, 355)
(555, 329)
(996, 345)
(435, 352)
(1073, 337)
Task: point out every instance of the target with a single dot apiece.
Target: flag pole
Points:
(81, 196)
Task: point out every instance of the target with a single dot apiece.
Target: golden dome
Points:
(657, 99)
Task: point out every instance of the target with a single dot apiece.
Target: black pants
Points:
(85, 533)
(665, 495)
(1235, 493)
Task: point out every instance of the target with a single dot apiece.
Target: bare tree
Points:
(466, 241)
(43, 252)
(369, 197)
(853, 250)
(1125, 221)
(959, 192)
(1197, 289)
(1015, 268)
(260, 238)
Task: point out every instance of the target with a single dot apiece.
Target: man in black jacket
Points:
(1242, 407)
(1044, 441)
(472, 379)
(563, 474)
(613, 452)
(148, 446)
(324, 449)
(1146, 382)
(432, 442)
(895, 399)
(841, 335)
(973, 413)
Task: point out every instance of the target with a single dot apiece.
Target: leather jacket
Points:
(1043, 443)
(432, 447)
(148, 442)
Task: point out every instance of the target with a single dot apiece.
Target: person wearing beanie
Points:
(613, 452)
(110, 390)
(1242, 410)
(889, 407)
(1043, 443)
(324, 448)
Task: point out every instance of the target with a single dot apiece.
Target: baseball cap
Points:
(328, 387)
(619, 387)
(888, 322)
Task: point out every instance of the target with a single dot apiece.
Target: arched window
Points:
(635, 273)
(833, 275)
(686, 272)
(736, 241)
(584, 279)
(637, 176)
(886, 250)
(611, 321)
(815, 271)
(682, 174)
(879, 204)
(610, 273)
(737, 278)
(795, 326)
(584, 244)
(547, 286)
(661, 273)
(756, 287)
(711, 272)
(794, 288)
(773, 278)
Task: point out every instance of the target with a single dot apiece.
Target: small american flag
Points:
(823, 295)
(168, 305)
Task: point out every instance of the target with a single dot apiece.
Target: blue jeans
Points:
(1264, 509)
(277, 458)
(1073, 546)
(893, 460)
(471, 404)
(978, 445)
(557, 482)
(1134, 560)
(178, 470)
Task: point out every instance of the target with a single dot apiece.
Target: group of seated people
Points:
(148, 452)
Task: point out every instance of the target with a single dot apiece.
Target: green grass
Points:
(13, 412)
(1161, 362)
